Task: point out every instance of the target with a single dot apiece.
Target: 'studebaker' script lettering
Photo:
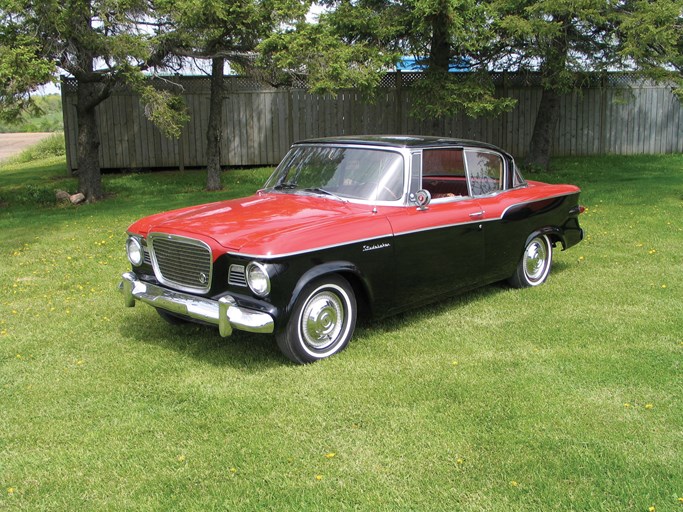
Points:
(375, 247)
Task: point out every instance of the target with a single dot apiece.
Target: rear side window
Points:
(486, 171)
(443, 162)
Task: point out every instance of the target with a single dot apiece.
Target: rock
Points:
(62, 196)
(77, 198)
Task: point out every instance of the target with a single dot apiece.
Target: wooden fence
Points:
(260, 123)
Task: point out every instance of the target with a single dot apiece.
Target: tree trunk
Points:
(538, 154)
(89, 176)
(215, 128)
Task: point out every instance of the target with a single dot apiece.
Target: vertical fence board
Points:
(260, 123)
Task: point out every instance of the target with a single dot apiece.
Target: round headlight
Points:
(258, 279)
(135, 252)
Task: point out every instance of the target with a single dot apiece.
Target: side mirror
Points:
(423, 198)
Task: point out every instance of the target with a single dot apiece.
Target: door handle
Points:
(477, 215)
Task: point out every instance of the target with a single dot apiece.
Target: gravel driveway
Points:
(14, 143)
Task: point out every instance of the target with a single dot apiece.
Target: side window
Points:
(443, 173)
(486, 172)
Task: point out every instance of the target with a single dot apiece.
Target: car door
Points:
(438, 249)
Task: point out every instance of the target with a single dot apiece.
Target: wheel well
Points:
(360, 292)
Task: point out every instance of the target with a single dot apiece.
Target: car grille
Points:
(180, 262)
(236, 276)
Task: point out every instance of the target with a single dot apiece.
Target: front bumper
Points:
(224, 312)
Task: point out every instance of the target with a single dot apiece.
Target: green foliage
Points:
(165, 109)
(652, 37)
(315, 51)
(22, 68)
(562, 397)
(47, 117)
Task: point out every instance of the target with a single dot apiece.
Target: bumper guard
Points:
(224, 312)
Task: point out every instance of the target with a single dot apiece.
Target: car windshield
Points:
(341, 172)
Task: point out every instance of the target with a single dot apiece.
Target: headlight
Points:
(135, 251)
(258, 279)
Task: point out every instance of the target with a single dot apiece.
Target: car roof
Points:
(401, 141)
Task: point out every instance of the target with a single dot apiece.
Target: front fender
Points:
(343, 268)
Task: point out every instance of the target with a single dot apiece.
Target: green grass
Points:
(564, 397)
(48, 119)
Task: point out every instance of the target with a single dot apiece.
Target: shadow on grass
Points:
(243, 350)
(254, 353)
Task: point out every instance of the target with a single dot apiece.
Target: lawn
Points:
(563, 397)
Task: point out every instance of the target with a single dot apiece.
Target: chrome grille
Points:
(236, 276)
(184, 263)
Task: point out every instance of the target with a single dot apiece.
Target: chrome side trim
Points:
(223, 312)
(390, 235)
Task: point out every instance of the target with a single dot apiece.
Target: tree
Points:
(223, 32)
(651, 36)
(355, 42)
(19, 50)
(561, 40)
(103, 44)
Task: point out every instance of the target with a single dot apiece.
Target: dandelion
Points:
(181, 458)
(651, 509)
(10, 490)
(330, 455)
(649, 406)
(514, 484)
(318, 477)
(627, 405)
(459, 461)
(581, 258)
(663, 286)
(454, 363)
(652, 251)
(233, 470)
(680, 500)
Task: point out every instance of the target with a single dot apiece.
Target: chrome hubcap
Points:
(535, 259)
(322, 320)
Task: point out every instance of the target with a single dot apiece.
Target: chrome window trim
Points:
(173, 284)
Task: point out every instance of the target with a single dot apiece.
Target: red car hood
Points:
(270, 224)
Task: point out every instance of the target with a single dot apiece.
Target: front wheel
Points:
(534, 267)
(322, 321)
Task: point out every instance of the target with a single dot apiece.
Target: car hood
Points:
(270, 224)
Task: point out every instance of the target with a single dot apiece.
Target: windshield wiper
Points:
(317, 190)
(285, 186)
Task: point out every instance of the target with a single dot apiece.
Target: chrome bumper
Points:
(223, 312)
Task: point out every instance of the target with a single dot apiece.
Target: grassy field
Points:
(565, 397)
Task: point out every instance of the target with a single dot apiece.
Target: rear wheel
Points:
(534, 267)
(322, 321)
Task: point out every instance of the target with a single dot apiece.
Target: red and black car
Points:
(348, 225)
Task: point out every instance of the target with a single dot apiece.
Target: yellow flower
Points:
(454, 363)
(652, 251)
(649, 406)
(459, 461)
(10, 491)
(514, 484)
(663, 286)
(181, 458)
(680, 500)
(651, 509)
(318, 477)
(627, 405)
(330, 455)
(233, 470)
